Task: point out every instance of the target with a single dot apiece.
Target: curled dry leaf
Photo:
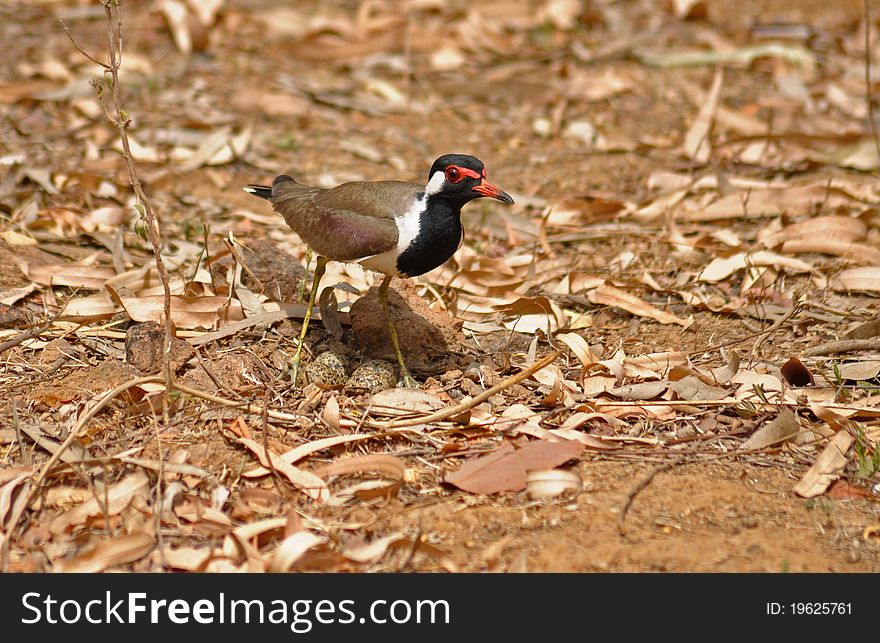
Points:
(69, 274)
(827, 468)
(305, 450)
(697, 146)
(506, 469)
(374, 551)
(859, 371)
(404, 401)
(14, 491)
(117, 497)
(292, 549)
(865, 279)
(693, 388)
(721, 268)
(796, 200)
(578, 346)
(371, 552)
(177, 17)
(782, 428)
(388, 465)
(307, 482)
(853, 252)
(187, 312)
(551, 483)
(641, 391)
(826, 228)
(110, 553)
(796, 374)
(330, 415)
(608, 295)
(653, 365)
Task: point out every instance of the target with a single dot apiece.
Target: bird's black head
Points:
(459, 178)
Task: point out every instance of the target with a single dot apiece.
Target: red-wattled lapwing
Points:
(392, 227)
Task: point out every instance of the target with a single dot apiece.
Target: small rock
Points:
(374, 376)
(471, 388)
(327, 369)
(143, 348)
(12, 317)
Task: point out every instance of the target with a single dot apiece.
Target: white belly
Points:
(385, 262)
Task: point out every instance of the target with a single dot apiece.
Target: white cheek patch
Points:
(436, 183)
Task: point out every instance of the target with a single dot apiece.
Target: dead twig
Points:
(844, 346)
(26, 335)
(869, 102)
(458, 409)
(773, 328)
(122, 121)
(639, 486)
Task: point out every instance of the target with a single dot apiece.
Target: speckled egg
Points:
(328, 369)
(374, 376)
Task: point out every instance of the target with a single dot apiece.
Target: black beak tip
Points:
(504, 197)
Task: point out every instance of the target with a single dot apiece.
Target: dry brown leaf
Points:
(864, 279)
(825, 228)
(578, 346)
(177, 17)
(405, 401)
(292, 549)
(843, 490)
(330, 415)
(309, 483)
(109, 553)
(855, 371)
(305, 450)
(854, 252)
(72, 275)
(14, 492)
(721, 268)
(582, 210)
(589, 441)
(692, 387)
(388, 465)
(827, 468)
(782, 428)
(697, 146)
(371, 552)
(187, 312)
(790, 201)
(506, 468)
(653, 365)
(117, 497)
(608, 295)
(641, 391)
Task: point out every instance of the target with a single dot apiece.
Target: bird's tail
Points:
(264, 191)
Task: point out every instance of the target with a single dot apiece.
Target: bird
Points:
(397, 228)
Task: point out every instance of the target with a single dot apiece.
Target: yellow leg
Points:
(406, 380)
(320, 266)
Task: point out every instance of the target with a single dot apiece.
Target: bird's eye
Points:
(453, 174)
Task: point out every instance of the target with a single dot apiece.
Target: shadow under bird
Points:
(394, 227)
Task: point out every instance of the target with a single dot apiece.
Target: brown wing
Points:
(348, 222)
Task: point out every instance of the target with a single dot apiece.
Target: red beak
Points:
(487, 189)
